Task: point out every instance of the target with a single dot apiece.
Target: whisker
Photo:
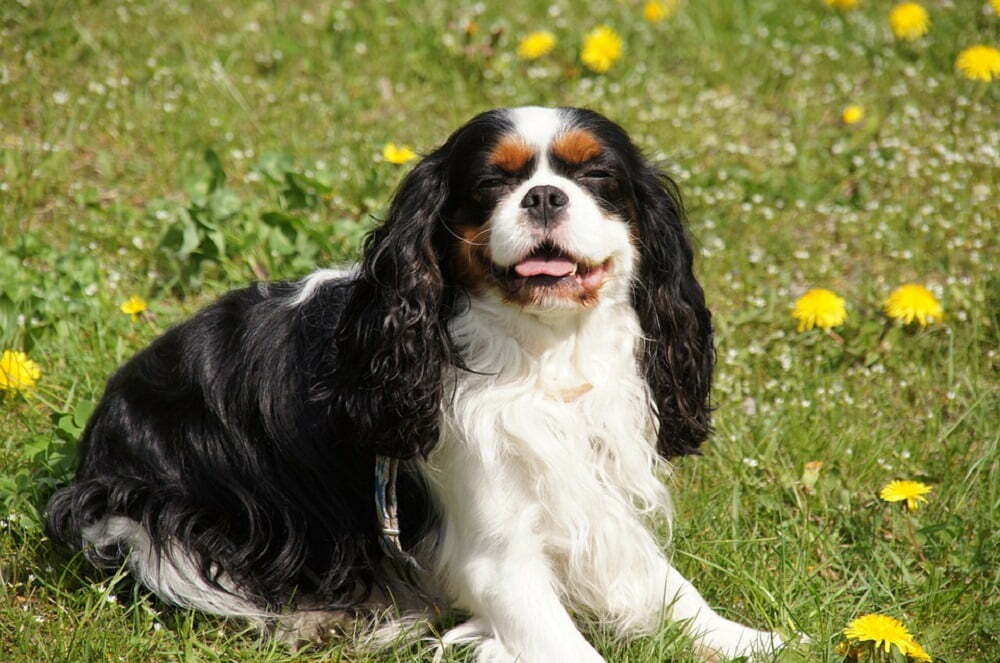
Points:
(471, 242)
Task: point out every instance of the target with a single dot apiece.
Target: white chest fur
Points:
(548, 444)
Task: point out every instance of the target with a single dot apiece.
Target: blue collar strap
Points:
(386, 472)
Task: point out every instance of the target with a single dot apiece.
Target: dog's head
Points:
(540, 207)
(552, 211)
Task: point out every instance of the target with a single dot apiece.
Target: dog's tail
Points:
(78, 517)
(71, 510)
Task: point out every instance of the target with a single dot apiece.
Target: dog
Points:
(474, 419)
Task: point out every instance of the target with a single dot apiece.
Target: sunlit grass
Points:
(259, 128)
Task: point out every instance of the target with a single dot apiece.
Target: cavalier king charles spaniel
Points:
(523, 344)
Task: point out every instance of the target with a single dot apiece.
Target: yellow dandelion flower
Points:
(916, 652)
(852, 114)
(398, 154)
(979, 63)
(601, 48)
(655, 11)
(17, 372)
(134, 306)
(996, 6)
(881, 630)
(911, 491)
(842, 4)
(536, 44)
(909, 21)
(821, 308)
(913, 302)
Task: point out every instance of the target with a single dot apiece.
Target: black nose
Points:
(543, 203)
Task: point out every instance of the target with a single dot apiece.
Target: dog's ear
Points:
(392, 339)
(677, 354)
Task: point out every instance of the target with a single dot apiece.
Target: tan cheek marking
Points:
(576, 146)
(470, 253)
(511, 154)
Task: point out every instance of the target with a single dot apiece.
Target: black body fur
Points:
(217, 437)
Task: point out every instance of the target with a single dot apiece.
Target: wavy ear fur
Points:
(392, 341)
(678, 356)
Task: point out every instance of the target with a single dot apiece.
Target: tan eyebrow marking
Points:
(576, 146)
(511, 153)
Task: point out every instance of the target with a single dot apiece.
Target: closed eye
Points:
(596, 174)
(490, 183)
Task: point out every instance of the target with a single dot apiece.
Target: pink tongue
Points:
(538, 266)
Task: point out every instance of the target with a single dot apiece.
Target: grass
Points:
(176, 150)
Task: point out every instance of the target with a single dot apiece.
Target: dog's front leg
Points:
(715, 637)
(492, 561)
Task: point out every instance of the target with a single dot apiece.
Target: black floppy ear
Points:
(392, 338)
(677, 355)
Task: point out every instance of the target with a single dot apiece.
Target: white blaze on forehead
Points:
(538, 127)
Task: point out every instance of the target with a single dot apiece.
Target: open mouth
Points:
(550, 267)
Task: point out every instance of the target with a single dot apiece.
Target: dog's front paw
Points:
(477, 633)
(730, 640)
(492, 650)
(489, 648)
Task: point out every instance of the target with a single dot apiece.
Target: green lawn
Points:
(176, 150)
